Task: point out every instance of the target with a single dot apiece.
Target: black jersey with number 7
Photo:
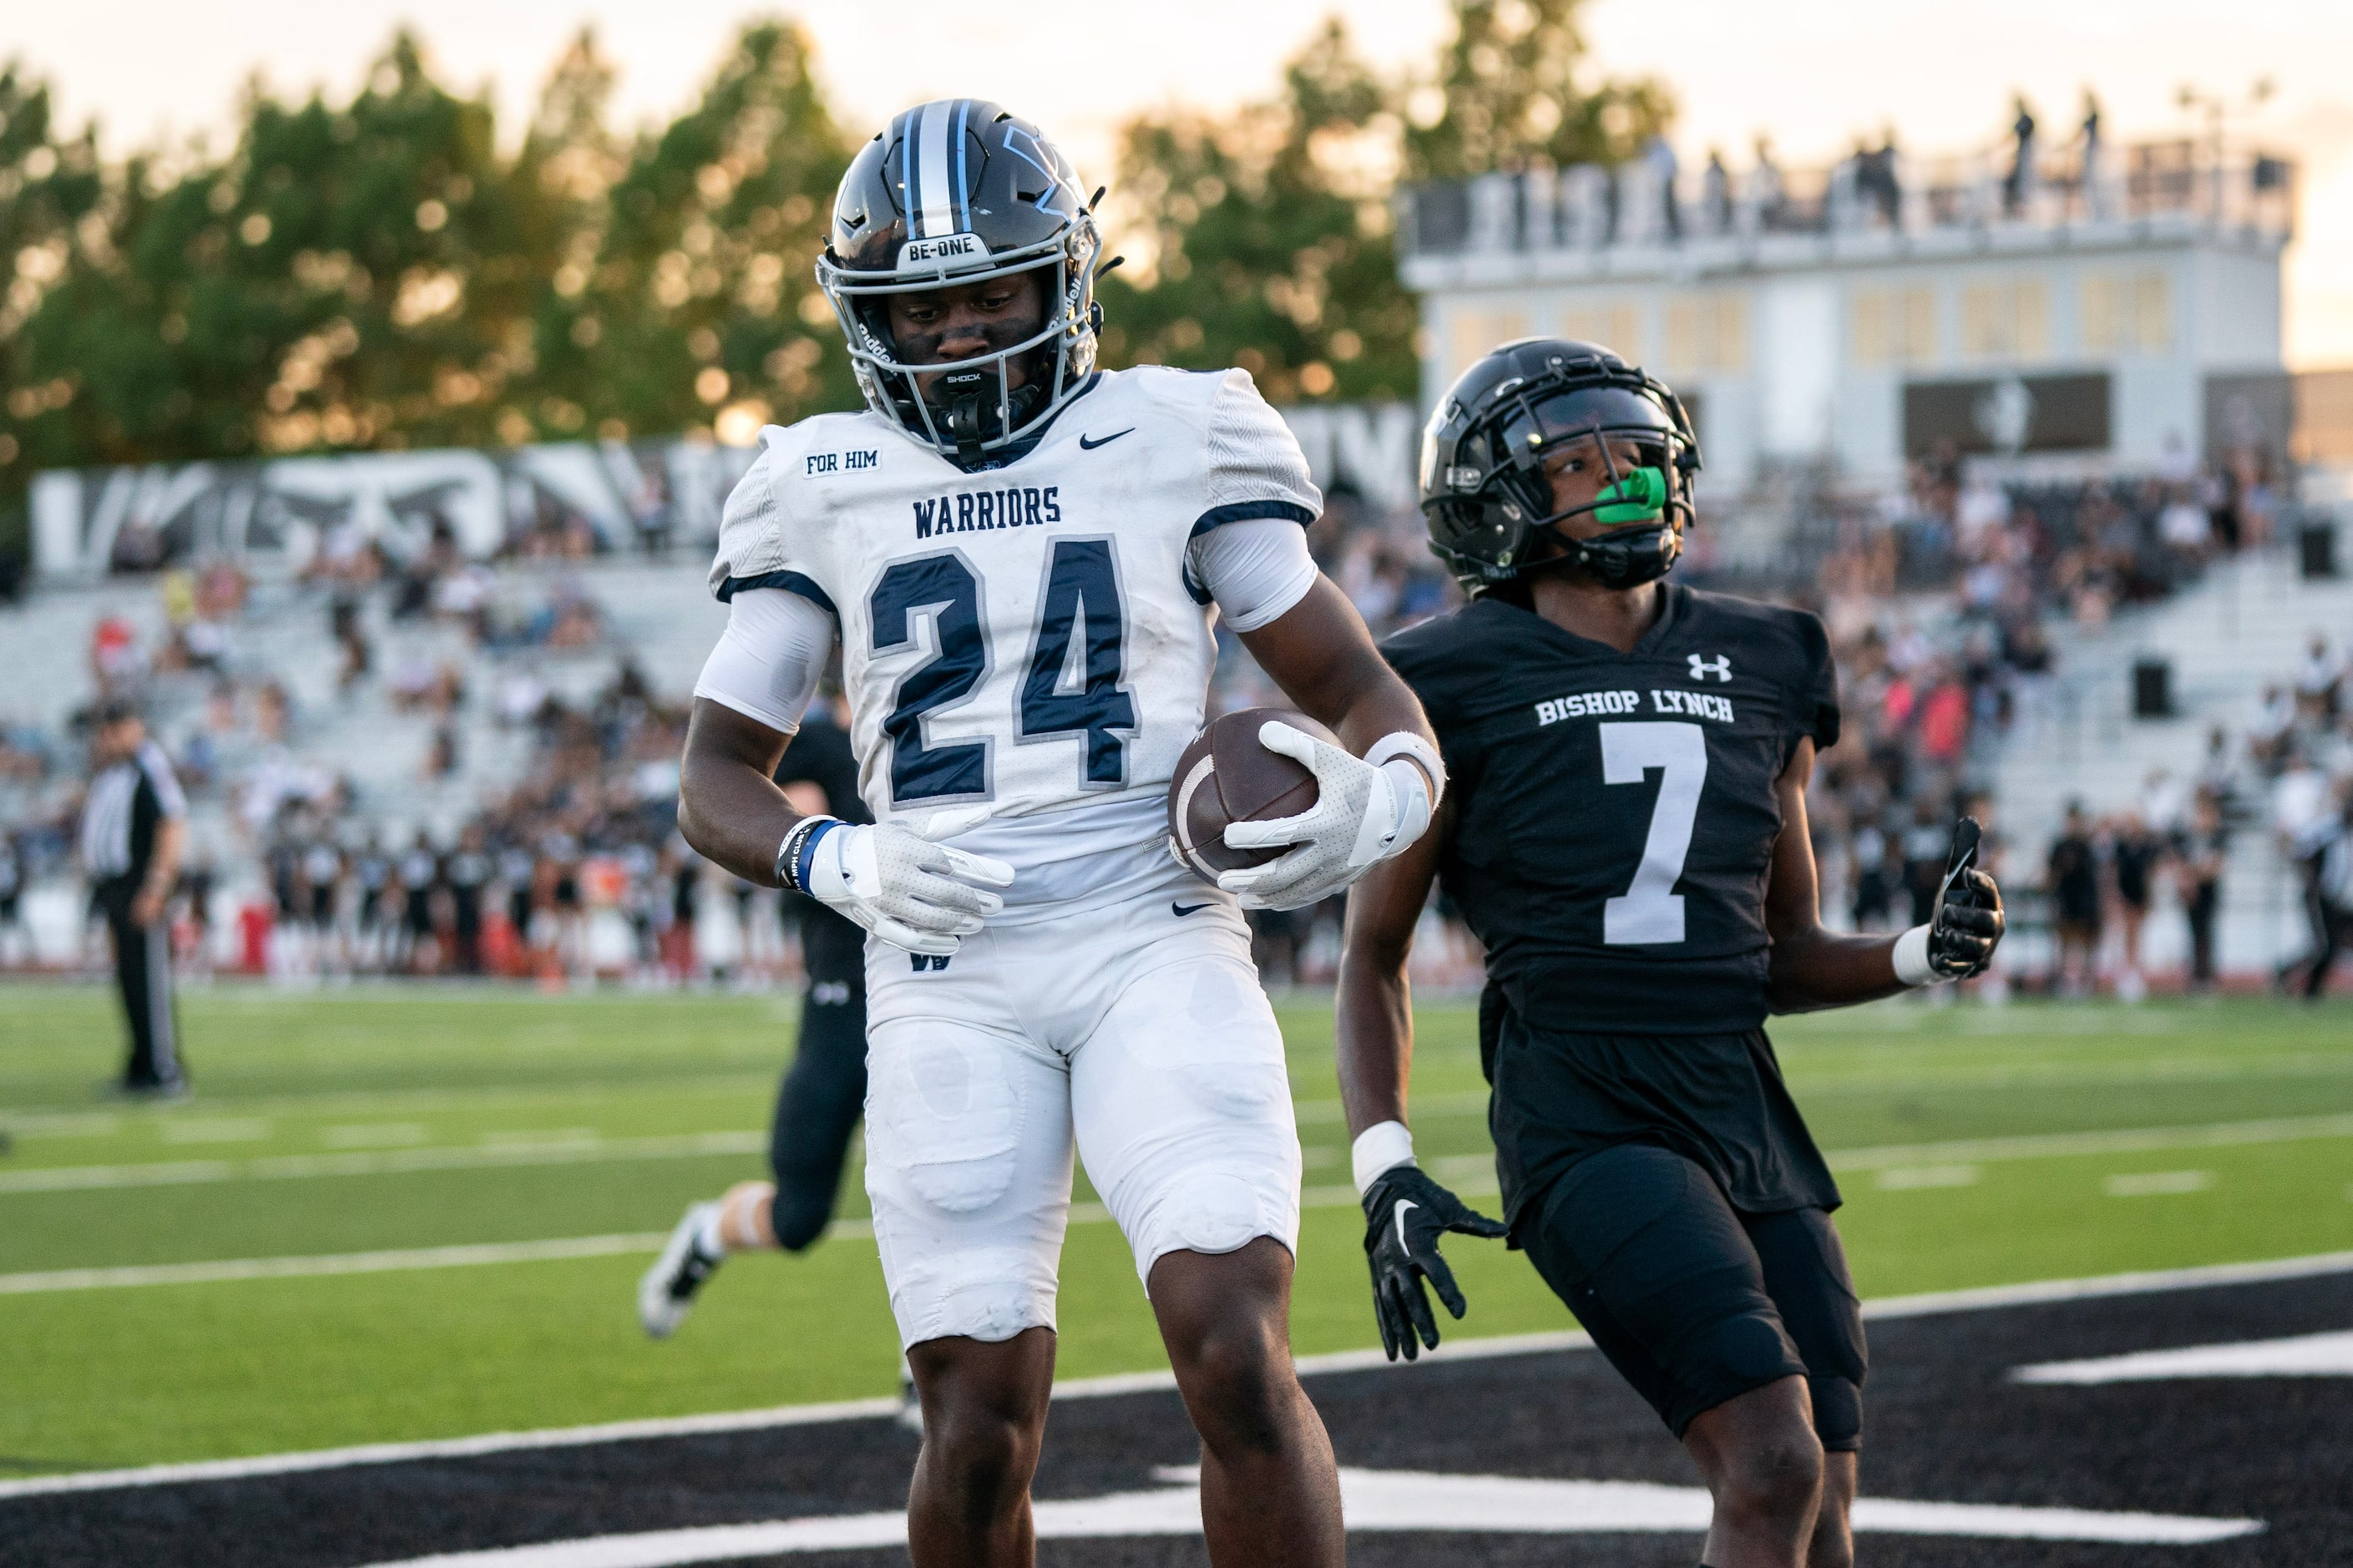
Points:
(1615, 812)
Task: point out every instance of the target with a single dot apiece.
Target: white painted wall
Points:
(1799, 350)
(1801, 393)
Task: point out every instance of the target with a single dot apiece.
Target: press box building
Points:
(2113, 311)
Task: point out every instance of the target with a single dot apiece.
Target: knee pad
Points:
(1838, 1412)
(1743, 1348)
(1214, 1213)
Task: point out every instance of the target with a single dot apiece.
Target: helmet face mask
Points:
(1506, 460)
(952, 194)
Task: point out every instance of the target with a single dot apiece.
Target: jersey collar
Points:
(1670, 616)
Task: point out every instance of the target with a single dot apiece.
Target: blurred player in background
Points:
(134, 825)
(823, 1094)
(1018, 556)
(1627, 837)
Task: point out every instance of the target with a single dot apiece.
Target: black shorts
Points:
(1694, 1301)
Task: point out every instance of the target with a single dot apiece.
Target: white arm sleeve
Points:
(768, 659)
(1256, 570)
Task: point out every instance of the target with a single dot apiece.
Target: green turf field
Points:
(1976, 1146)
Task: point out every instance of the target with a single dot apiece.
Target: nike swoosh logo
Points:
(1086, 445)
(1186, 908)
(1403, 1205)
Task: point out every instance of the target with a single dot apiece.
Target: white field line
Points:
(1472, 1176)
(2117, 1140)
(1371, 1500)
(2036, 1293)
(571, 1149)
(2304, 1355)
(334, 1263)
(578, 1150)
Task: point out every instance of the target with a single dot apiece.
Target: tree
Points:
(52, 188)
(1264, 237)
(689, 292)
(1267, 237)
(1506, 95)
(333, 282)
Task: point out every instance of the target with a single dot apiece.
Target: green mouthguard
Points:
(1637, 498)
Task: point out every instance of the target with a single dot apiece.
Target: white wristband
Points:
(1911, 955)
(1406, 743)
(1383, 1146)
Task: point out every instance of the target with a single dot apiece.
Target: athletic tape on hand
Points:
(1911, 958)
(1383, 1146)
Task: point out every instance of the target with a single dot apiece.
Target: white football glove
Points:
(912, 893)
(1366, 809)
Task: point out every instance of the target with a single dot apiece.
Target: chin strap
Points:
(971, 413)
(965, 415)
(1627, 557)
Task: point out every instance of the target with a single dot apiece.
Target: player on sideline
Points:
(821, 1097)
(1626, 834)
(1018, 556)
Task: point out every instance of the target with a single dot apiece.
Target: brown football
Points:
(1226, 775)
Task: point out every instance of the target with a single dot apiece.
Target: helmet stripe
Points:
(908, 123)
(963, 191)
(939, 216)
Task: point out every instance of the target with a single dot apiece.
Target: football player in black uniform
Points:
(1626, 832)
(821, 1097)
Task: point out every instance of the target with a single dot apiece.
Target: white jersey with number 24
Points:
(1033, 639)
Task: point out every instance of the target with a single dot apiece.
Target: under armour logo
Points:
(1719, 666)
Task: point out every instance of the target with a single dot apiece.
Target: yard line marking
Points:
(589, 1150)
(215, 1130)
(2158, 1183)
(523, 1150)
(2116, 1141)
(211, 1273)
(1370, 1500)
(2035, 1293)
(2304, 1355)
(1916, 1178)
(376, 1135)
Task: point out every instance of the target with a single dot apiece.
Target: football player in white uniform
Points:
(1020, 557)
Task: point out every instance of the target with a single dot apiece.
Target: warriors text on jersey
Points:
(1029, 637)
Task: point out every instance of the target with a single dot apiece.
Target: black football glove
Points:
(1967, 926)
(1405, 1214)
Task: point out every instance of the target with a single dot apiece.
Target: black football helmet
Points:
(951, 192)
(1485, 491)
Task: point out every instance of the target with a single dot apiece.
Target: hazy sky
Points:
(1813, 73)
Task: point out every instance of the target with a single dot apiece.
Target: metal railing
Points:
(1650, 203)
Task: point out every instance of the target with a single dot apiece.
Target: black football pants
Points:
(142, 974)
(2335, 933)
(1696, 1302)
(824, 1093)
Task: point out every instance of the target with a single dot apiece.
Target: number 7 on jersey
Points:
(1651, 910)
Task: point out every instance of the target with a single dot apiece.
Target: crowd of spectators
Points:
(1939, 609)
(1936, 601)
(2287, 772)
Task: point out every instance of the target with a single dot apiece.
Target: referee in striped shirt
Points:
(134, 827)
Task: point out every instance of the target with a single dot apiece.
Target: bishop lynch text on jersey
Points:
(981, 509)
